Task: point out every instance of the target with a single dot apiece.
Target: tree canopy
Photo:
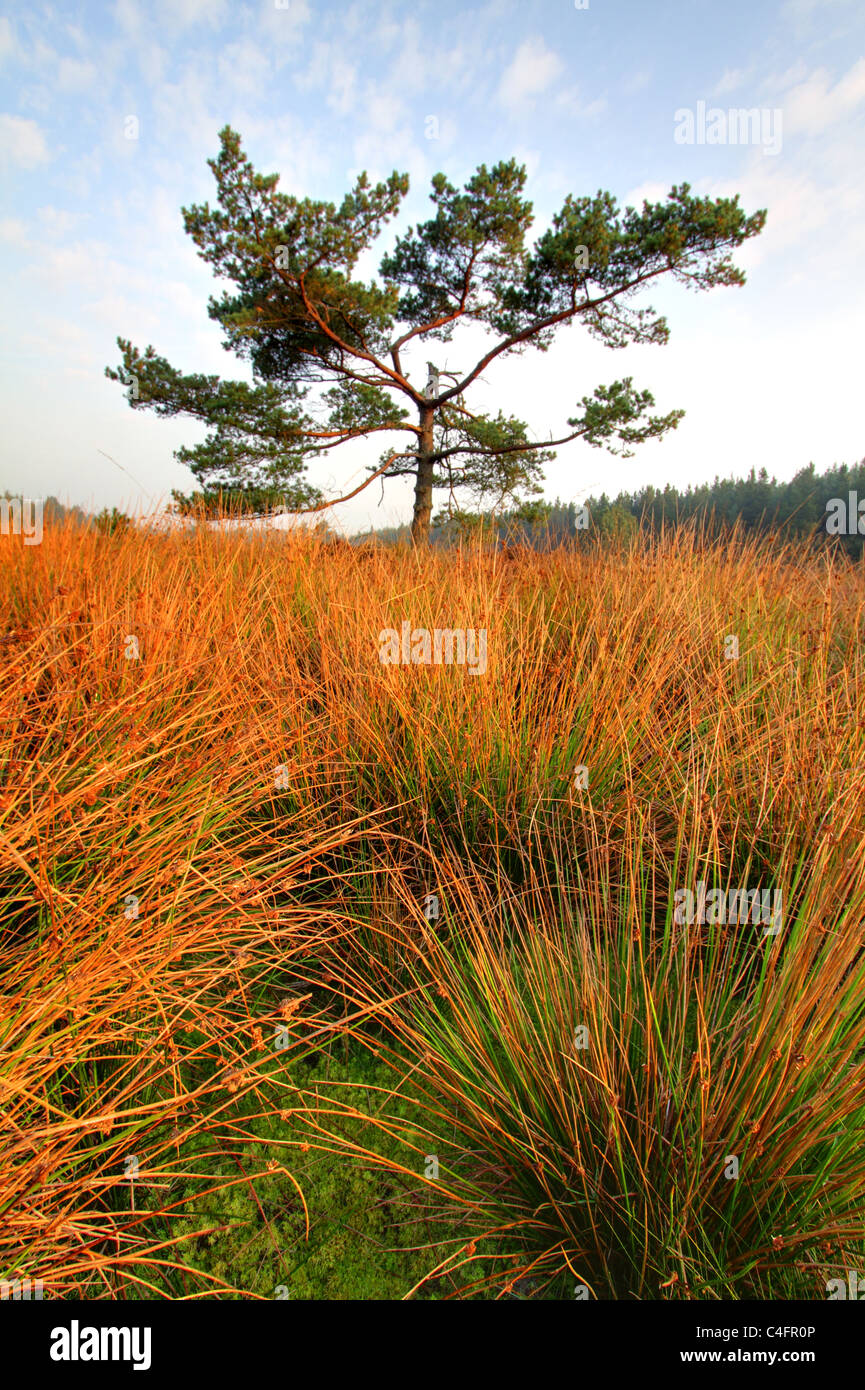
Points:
(328, 351)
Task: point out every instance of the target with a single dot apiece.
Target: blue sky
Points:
(92, 242)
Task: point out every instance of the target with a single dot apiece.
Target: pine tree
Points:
(328, 351)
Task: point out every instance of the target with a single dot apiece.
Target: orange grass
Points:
(148, 786)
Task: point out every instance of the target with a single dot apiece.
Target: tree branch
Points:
(506, 449)
(323, 506)
(526, 333)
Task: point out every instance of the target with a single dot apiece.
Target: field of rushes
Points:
(224, 829)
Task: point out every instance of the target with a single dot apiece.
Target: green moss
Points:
(372, 1234)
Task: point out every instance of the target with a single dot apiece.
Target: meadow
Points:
(328, 978)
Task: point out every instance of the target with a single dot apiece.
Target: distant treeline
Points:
(54, 511)
(800, 508)
(757, 502)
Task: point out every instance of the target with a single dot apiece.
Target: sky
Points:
(110, 111)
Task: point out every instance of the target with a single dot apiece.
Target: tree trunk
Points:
(423, 491)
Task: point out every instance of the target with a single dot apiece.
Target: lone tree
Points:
(304, 323)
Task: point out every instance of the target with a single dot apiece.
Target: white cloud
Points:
(638, 82)
(534, 68)
(153, 61)
(79, 37)
(42, 54)
(7, 38)
(58, 222)
(810, 209)
(798, 10)
(187, 110)
(342, 88)
(797, 210)
(283, 26)
(22, 142)
(284, 145)
(448, 136)
(385, 144)
(531, 159)
(650, 192)
(795, 73)
(13, 231)
(813, 105)
(569, 101)
(181, 14)
(382, 113)
(386, 34)
(730, 80)
(244, 67)
(73, 75)
(127, 16)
